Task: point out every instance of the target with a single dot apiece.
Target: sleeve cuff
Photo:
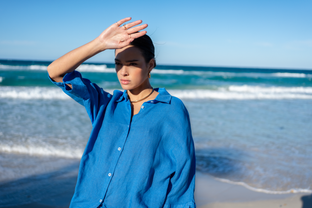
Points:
(78, 91)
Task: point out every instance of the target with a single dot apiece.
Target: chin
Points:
(126, 87)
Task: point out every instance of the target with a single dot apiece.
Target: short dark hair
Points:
(146, 46)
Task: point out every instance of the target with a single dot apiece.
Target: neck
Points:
(137, 94)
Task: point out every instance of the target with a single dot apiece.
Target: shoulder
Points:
(165, 97)
(176, 125)
(177, 102)
(174, 106)
(178, 105)
(117, 93)
(119, 96)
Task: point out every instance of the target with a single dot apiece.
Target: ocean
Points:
(251, 126)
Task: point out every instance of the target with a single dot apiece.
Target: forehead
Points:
(128, 52)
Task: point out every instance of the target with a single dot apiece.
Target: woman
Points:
(140, 152)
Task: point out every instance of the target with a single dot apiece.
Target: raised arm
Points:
(115, 36)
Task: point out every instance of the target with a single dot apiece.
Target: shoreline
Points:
(212, 193)
(54, 189)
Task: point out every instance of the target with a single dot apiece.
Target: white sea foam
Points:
(168, 71)
(103, 68)
(1, 78)
(95, 68)
(206, 73)
(83, 67)
(294, 190)
(293, 75)
(193, 72)
(20, 67)
(271, 90)
(246, 93)
(223, 93)
(77, 153)
(31, 93)
(45, 93)
(231, 74)
(41, 151)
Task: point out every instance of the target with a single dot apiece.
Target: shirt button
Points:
(119, 148)
(142, 106)
(109, 174)
(100, 200)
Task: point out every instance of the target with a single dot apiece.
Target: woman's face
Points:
(132, 70)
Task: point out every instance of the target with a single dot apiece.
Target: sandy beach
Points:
(54, 189)
(211, 193)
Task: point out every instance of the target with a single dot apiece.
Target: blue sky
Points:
(270, 34)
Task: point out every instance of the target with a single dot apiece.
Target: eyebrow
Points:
(128, 60)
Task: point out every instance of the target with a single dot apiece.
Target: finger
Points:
(125, 42)
(136, 35)
(131, 38)
(137, 28)
(120, 22)
(131, 24)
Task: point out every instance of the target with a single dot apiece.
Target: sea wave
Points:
(294, 190)
(22, 67)
(246, 93)
(223, 93)
(293, 75)
(169, 71)
(229, 165)
(41, 151)
(83, 68)
(95, 68)
(31, 93)
(231, 74)
(50, 150)
(274, 90)
(210, 73)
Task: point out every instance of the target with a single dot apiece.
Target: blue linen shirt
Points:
(147, 160)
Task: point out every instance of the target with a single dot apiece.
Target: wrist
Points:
(98, 45)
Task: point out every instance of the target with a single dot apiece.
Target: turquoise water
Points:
(249, 125)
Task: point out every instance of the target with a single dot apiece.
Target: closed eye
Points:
(133, 64)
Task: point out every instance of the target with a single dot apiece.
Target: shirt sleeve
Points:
(84, 92)
(180, 146)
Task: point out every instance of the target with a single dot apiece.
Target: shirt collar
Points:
(163, 96)
(124, 96)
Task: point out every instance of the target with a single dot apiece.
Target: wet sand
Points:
(54, 189)
(211, 193)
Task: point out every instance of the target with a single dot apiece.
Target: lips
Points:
(124, 81)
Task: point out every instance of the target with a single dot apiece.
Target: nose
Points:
(124, 71)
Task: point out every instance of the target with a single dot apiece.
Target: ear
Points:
(151, 65)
